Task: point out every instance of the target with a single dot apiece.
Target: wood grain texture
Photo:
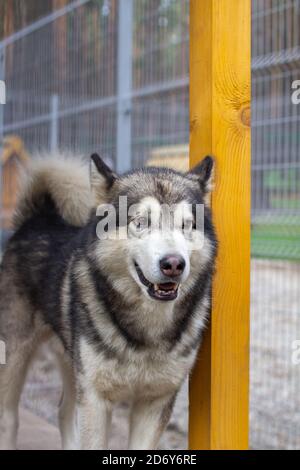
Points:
(220, 93)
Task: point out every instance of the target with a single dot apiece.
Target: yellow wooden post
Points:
(220, 94)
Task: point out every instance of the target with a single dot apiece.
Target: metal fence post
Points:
(2, 77)
(54, 129)
(124, 65)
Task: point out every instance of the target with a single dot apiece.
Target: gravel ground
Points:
(275, 380)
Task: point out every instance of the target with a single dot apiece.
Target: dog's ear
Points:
(101, 176)
(203, 172)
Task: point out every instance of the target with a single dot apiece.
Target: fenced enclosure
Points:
(94, 73)
(275, 323)
(113, 76)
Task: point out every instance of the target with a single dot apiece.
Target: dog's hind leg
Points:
(12, 377)
(20, 329)
(67, 407)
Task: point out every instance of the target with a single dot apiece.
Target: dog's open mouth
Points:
(164, 291)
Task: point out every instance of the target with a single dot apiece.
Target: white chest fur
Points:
(147, 374)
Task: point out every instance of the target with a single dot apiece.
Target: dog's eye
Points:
(138, 226)
(187, 226)
(141, 223)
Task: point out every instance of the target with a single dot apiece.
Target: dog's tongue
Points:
(167, 286)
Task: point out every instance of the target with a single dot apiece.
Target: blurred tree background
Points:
(160, 26)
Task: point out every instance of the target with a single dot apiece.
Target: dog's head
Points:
(159, 235)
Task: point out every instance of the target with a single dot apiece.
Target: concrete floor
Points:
(37, 434)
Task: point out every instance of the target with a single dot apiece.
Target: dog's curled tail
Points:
(62, 177)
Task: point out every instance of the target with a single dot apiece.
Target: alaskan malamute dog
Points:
(125, 312)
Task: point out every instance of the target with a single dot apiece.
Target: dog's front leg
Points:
(94, 415)
(148, 420)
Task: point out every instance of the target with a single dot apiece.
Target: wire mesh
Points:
(275, 282)
(72, 57)
(65, 80)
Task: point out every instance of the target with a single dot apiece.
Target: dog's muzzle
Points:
(164, 291)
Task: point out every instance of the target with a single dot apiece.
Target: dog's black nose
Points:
(172, 265)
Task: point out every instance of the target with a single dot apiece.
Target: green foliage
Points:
(283, 180)
(276, 237)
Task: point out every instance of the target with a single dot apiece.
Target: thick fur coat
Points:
(125, 313)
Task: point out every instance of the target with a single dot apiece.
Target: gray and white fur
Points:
(125, 314)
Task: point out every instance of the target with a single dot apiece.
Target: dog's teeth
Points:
(156, 287)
